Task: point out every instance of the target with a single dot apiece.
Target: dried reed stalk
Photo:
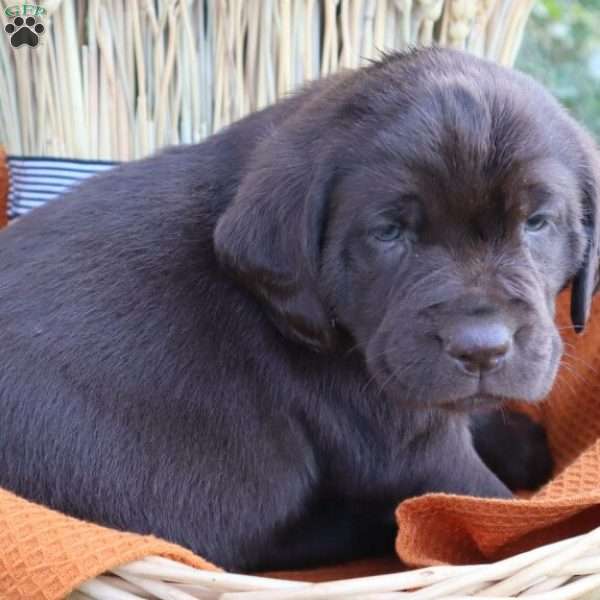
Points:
(116, 79)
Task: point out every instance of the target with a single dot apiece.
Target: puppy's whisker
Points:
(352, 349)
(373, 377)
(571, 369)
(386, 350)
(422, 282)
(578, 362)
(580, 359)
(560, 378)
(372, 380)
(399, 371)
(436, 378)
(384, 353)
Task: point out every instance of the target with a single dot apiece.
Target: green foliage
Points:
(561, 49)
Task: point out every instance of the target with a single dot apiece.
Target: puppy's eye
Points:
(536, 223)
(388, 233)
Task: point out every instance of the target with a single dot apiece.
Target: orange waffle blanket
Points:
(44, 555)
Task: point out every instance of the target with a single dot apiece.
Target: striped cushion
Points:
(35, 180)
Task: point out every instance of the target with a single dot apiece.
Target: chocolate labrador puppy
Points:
(257, 346)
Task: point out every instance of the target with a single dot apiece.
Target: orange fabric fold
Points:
(44, 555)
(439, 528)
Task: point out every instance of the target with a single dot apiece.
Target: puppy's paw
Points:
(514, 447)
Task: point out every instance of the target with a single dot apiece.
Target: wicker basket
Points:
(565, 570)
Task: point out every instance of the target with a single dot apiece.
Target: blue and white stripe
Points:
(35, 180)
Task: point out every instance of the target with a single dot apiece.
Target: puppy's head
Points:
(431, 206)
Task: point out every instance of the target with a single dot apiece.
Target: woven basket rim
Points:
(565, 570)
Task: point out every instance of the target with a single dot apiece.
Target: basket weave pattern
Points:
(567, 570)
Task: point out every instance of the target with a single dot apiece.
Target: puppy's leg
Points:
(454, 467)
(333, 533)
(514, 447)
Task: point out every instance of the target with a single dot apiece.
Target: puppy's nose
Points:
(478, 347)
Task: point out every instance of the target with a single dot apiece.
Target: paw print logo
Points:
(24, 31)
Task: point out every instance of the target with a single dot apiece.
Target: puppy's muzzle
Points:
(477, 345)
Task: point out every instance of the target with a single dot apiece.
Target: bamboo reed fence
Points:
(117, 79)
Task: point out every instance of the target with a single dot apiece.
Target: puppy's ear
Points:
(585, 283)
(269, 238)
